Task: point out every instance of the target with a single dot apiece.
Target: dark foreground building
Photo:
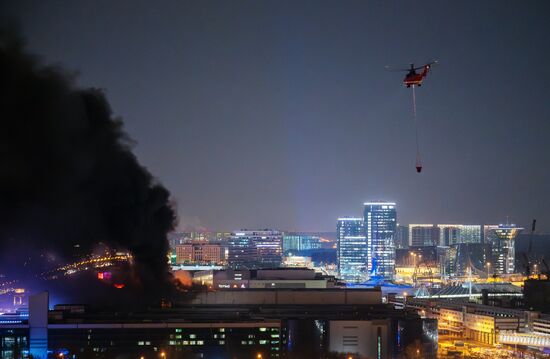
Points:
(280, 323)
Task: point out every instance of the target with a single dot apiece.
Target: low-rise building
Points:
(199, 252)
(297, 323)
(270, 279)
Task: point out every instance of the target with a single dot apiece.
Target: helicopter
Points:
(413, 78)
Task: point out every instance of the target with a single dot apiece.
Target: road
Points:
(476, 350)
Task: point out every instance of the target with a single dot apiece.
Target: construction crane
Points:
(547, 269)
(527, 256)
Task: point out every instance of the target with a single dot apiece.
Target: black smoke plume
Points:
(67, 173)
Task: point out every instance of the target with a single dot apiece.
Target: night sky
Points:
(281, 114)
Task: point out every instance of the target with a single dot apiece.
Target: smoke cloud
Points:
(67, 173)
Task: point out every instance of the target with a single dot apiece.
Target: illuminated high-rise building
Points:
(352, 249)
(421, 235)
(503, 248)
(489, 234)
(300, 242)
(470, 233)
(443, 234)
(255, 249)
(402, 237)
(380, 225)
(449, 234)
(199, 252)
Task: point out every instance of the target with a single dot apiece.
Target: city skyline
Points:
(313, 101)
(274, 179)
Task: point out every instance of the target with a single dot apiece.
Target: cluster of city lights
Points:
(95, 262)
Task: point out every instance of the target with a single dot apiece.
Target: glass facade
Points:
(504, 254)
(255, 249)
(240, 251)
(470, 233)
(444, 234)
(269, 247)
(449, 234)
(380, 225)
(402, 237)
(300, 242)
(421, 235)
(352, 249)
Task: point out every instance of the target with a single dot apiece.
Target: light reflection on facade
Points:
(380, 225)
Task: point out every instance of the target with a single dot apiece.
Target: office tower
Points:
(269, 247)
(503, 249)
(300, 242)
(443, 234)
(402, 237)
(352, 249)
(291, 242)
(241, 252)
(380, 225)
(489, 234)
(444, 261)
(199, 252)
(421, 235)
(255, 249)
(449, 234)
(451, 256)
(470, 233)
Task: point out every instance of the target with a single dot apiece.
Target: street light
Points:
(259, 356)
(163, 354)
(414, 258)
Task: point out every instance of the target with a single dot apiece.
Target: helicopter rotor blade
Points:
(428, 63)
(391, 69)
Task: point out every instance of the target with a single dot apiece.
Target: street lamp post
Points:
(412, 254)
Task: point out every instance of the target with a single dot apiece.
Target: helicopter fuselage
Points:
(415, 79)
